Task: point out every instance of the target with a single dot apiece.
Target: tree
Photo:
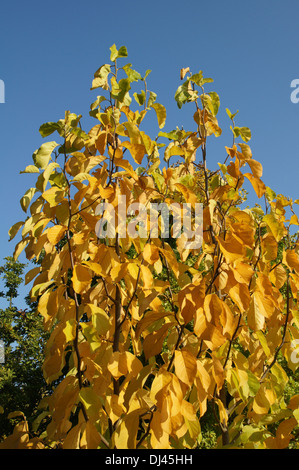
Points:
(21, 379)
(164, 296)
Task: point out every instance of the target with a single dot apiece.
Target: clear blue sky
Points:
(50, 50)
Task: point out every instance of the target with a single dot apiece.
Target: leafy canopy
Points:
(148, 334)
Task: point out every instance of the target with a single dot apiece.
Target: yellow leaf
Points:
(246, 151)
(278, 276)
(213, 308)
(101, 141)
(14, 230)
(20, 247)
(261, 404)
(126, 434)
(269, 247)
(239, 293)
(147, 277)
(257, 184)
(242, 272)
(151, 253)
(159, 437)
(72, 439)
(100, 319)
(265, 303)
(19, 439)
(126, 166)
(153, 342)
(294, 220)
(190, 196)
(55, 234)
(277, 228)
(232, 248)
(91, 402)
(183, 72)
(69, 329)
(172, 150)
(256, 168)
(185, 366)
(222, 412)
(213, 337)
(263, 342)
(283, 433)
(81, 278)
(203, 375)
(137, 151)
(123, 363)
(161, 114)
(134, 133)
(31, 274)
(255, 317)
(229, 322)
(160, 382)
(90, 437)
(54, 196)
(244, 233)
(291, 259)
(114, 407)
(190, 299)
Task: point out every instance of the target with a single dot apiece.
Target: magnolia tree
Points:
(164, 297)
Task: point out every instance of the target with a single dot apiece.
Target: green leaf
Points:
(120, 89)
(57, 179)
(223, 168)
(42, 156)
(176, 134)
(161, 114)
(122, 52)
(132, 75)
(197, 78)
(49, 127)
(215, 102)
(230, 115)
(185, 94)
(117, 54)
(152, 98)
(211, 101)
(146, 74)
(270, 194)
(182, 95)
(114, 52)
(243, 132)
(140, 97)
(173, 135)
(207, 80)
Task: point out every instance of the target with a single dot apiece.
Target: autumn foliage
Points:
(148, 334)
